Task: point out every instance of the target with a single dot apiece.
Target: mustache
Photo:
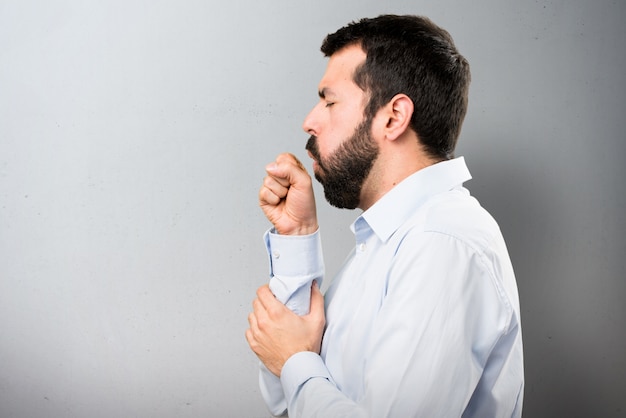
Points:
(311, 146)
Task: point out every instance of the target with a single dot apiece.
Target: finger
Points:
(265, 297)
(271, 307)
(276, 186)
(258, 314)
(279, 173)
(267, 197)
(271, 197)
(251, 340)
(258, 310)
(252, 319)
(287, 169)
(252, 329)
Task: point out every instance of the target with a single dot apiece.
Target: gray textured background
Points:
(133, 136)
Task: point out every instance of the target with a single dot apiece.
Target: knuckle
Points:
(285, 156)
(275, 311)
(265, 196)
(261, 324)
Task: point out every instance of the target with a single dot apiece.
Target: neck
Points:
(394, 164)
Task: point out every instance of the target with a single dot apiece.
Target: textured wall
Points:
(133, 136)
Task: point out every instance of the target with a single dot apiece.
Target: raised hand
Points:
(286, 197)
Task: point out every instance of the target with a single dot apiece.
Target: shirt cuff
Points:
(295, 261)
(299, 369)
(294, 255)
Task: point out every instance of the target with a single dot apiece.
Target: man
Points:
(423, 318)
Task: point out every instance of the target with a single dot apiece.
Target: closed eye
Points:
(324, 94)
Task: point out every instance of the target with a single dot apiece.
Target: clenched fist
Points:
(286, 197)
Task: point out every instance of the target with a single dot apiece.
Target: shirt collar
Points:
(395, 207)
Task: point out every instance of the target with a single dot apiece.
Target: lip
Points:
(315, 163)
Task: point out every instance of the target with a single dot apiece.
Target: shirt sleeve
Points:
(295, 261)
(311, 392)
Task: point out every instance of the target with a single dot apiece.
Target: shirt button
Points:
(276, 254)
(362, 247)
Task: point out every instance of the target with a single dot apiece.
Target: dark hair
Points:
(413, 56)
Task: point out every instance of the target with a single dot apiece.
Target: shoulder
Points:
(453, 229)
(455, 239)
(452, 223)
(459, 215)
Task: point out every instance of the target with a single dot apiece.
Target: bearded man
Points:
(423, 318)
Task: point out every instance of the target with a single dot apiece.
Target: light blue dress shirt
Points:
(423, 318)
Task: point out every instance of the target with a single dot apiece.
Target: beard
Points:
(342, 174)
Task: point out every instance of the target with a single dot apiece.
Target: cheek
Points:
(337, 134)
(328, 146)
(339, 124)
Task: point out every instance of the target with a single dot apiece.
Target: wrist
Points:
(298, 230)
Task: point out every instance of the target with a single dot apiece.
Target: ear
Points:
(397, 116)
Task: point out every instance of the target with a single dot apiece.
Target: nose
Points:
(310, 124)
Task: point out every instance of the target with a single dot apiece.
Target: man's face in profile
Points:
(341, 143)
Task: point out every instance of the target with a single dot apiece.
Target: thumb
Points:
(317, 300)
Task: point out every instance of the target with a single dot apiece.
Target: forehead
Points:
(341, 67)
